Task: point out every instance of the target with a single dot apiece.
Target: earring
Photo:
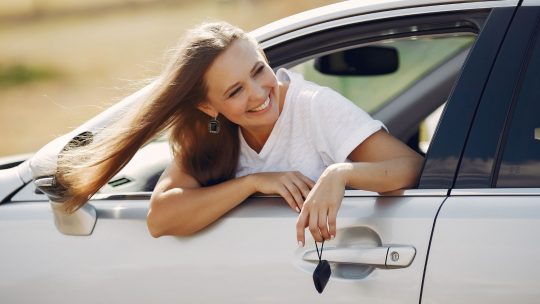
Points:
(214, 125)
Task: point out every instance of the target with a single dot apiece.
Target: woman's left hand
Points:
(320, 208)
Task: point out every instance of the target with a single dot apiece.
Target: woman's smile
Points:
(262, 107)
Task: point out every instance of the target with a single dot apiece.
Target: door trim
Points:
(495, 192)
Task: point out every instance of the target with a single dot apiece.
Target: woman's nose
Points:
(257, 92)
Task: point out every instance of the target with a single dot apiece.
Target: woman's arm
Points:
(180, 206)
(381, 163)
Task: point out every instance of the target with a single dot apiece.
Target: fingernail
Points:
(300, 244)
(297, 209)
(332, 237)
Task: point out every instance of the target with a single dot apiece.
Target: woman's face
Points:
(242, 87)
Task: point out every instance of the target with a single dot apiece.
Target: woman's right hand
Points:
(293, 186)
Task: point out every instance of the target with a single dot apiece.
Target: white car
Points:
(467, 233)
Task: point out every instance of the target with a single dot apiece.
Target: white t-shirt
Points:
(317, 127)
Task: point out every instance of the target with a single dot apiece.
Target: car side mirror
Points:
(364, 61)
(44, 165)
(80, 222)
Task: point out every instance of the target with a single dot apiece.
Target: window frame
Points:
(445, 152)
(362, 33)
(531, 52)
(478, 167)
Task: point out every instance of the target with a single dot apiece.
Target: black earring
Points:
(214, 125)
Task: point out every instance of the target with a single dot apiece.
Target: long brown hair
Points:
(172, 105)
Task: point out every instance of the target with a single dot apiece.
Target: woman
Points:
(233, 134)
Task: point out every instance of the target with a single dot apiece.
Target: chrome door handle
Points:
(381, 257)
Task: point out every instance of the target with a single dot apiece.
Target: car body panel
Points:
(246, 257)
(479, 158)
(485, 250)
(13, 160)
(530, 3)
(10, 182)
(485, 246)
(348, 12)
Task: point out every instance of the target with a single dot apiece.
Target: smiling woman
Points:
(254, 101)
(237, 128)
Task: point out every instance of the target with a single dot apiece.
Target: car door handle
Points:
(381, 257)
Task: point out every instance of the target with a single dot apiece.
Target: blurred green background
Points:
(62, 62)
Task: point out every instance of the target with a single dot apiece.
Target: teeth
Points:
(261, 107)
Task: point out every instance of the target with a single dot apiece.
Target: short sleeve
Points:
(339, 125)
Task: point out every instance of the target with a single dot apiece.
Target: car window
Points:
(428, 127)
(143, 171)
(417, 56)
(520, 160)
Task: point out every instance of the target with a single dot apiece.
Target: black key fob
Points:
(321, 275)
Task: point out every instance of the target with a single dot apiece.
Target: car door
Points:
(250, 255)
(485, 243)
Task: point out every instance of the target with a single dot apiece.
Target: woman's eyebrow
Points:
(250, 72)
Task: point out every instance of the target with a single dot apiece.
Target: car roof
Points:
(343, 10)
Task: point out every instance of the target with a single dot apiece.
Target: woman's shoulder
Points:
(299, 89)
(296, 79)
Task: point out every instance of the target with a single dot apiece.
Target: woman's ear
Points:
(207, 108)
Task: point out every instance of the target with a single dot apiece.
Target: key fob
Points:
(321, 275)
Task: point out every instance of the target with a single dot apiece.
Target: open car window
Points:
(417, 57)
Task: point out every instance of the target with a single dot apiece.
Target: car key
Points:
(322, 272)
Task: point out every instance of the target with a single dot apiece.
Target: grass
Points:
(19, 74)
(59, 70)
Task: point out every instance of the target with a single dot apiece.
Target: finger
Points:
(288, 198)
(307, 180)
(301, 224)
(323, 224)
(302, 187)
(332, 219)
(295, 194)
(314, 226)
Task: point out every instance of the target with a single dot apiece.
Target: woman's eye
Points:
(259, 69)
(235, 92)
